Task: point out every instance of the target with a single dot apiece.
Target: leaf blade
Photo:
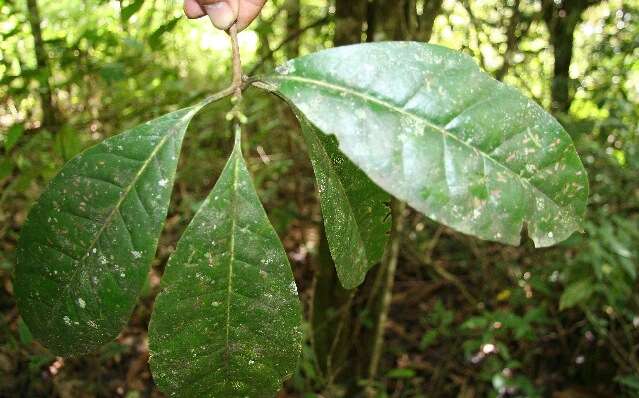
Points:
(354, 208)
(85, 248)
(229, 312)
(429, 127)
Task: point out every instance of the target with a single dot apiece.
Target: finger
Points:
(192, 9)
(223, 13)
(249, 10)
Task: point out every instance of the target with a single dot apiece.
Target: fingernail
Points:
(221, 14)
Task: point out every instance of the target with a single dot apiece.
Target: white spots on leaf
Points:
(292, 287)
(523, 158)
(67, 320)
(81, 302)
(163, 182)
(136, 254)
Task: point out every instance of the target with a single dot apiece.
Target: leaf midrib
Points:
(229, 290)
(347, 90)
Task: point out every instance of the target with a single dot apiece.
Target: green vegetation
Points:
(443, 313)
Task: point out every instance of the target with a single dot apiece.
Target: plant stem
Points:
(237, 63)
(389, 268)
(220, 94)
(237, 83)
(237, 86)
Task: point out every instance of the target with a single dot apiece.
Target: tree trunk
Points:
(392, 20)
(330, 318)
(49, 112)
(561, 18)
(399, 20)
(350, 16)
(426, 22)
(293, 25)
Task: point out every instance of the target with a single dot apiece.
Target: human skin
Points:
(223, 13)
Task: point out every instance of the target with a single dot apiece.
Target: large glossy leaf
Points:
(86, 246)
(424, 123)
(355, 210)
(228, 321)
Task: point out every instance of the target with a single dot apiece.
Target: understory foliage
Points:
(423, 124)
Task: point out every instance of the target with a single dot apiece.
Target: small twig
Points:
(220, 94)
(389, 268)
(344, 318)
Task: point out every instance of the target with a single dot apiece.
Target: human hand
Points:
(224, 13)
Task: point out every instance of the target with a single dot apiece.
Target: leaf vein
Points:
(566, 212)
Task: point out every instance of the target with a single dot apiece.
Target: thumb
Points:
(223, 13)
(249, 10)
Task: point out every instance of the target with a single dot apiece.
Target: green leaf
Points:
(354, 208)
(424, 123)
(629, 381)
(6, 167)
(131, 9)
(228, 322)
(85, 249)
(13, 135)
(24, 333)
(400, 373)
(576, 293)
(67, 143)
(155, 39)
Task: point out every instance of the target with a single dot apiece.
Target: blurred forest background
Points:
(468, 318)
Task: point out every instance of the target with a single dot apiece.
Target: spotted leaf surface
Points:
(428, 126)
(86, 247)
(228, 321)
(355, 210)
